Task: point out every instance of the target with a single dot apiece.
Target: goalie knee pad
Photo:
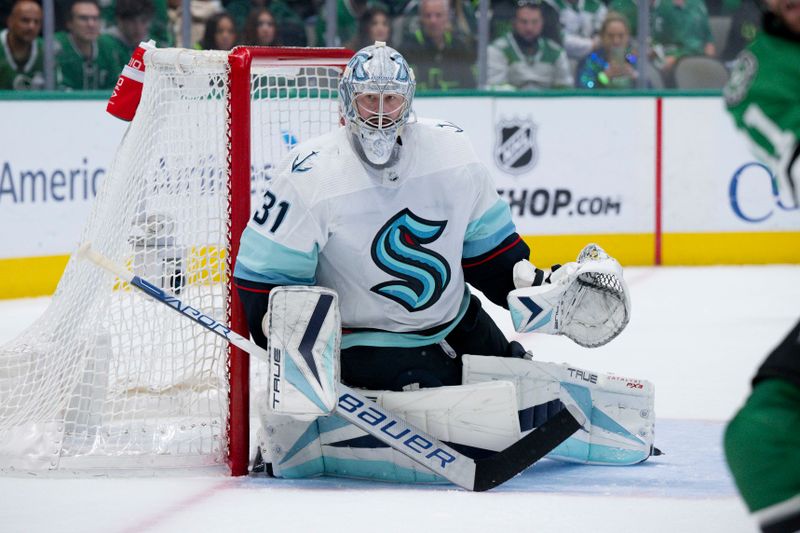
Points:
(619, 411)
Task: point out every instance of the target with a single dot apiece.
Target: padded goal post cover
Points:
(304, 332)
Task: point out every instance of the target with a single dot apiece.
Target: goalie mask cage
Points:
(110, 381)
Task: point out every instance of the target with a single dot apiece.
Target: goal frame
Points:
(240, 61)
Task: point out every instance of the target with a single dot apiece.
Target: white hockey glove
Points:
(586, 301)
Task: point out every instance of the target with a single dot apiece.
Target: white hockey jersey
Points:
(390, 242)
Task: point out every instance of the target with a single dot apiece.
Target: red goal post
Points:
(241, 60)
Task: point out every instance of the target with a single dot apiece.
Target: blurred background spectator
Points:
(348, 13)
(680, 29)
(374, 25)
(85, 59)
(442, 58)
(260, 28)
(462, 18)
(22, 62)
(613, 64)
(220, 33)
(200, 10)
(524, 59)
(133, 18)
(503, 16)
(159, 20)
(295, 20)
(629, 9)
(439, 37)
(581, 21)
(744, 18)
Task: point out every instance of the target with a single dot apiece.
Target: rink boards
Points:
(655, 180)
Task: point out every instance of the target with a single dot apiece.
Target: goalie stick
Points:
(471, 474)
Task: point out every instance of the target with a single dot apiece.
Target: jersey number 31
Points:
(263, 212)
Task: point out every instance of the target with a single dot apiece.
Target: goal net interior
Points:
(109, 380)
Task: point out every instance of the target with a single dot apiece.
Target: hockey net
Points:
(107, 380)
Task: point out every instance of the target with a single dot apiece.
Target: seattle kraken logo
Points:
(397, 249)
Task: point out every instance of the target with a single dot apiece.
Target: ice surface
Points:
(698, 333)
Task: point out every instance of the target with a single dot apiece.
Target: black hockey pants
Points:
(393, 368)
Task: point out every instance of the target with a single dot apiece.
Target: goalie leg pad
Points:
(481, 418)
(619, 410)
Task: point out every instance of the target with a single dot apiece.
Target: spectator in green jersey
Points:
(86, 61)
(21, 63)
(133, 18)
(680, 28)
(525, 59)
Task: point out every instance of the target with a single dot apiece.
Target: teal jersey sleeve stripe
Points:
(489, 230)
(271, 278)
(263, 260)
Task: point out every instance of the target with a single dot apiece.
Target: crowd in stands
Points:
(534, 44)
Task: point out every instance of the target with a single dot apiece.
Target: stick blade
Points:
(502, 466)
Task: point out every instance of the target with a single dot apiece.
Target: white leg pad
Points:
(481, 415)
(619, 410)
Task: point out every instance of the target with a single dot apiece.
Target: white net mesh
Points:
(107, 378)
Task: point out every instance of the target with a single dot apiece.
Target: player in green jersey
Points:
(763, 95)
(762, 442)
(21, 60)
(85, 59)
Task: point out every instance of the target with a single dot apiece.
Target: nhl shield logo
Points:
(515, 147)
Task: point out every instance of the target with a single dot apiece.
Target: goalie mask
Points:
(375, 96)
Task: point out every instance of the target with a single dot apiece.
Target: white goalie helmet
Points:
(375, 95)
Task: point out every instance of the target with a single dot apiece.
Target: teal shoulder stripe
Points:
(404, 340)
(489, 230)
(263, 260)
(273, 278)
(476, 248)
